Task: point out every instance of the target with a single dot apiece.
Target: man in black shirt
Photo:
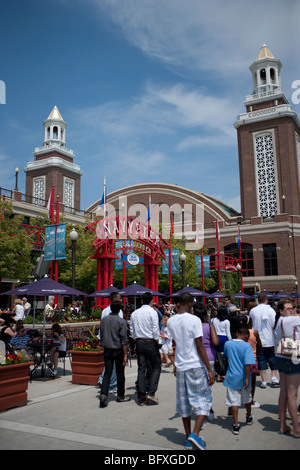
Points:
(114, 339)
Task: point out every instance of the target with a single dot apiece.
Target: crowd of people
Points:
(189, 336)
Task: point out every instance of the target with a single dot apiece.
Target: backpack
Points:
(220, 364)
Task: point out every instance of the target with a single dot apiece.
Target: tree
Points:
(15, 248)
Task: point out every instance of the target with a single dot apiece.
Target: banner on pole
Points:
(206, 262)
(174, 261)
(55, 239)
(128, 244)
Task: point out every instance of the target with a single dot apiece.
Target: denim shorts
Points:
(265, 357)
(286, 366)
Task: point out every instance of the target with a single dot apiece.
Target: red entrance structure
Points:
(146, 241)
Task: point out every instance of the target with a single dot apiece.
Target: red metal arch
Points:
(149, 241)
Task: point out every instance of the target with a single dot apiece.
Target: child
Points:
(238, 378)
(255, 343)
(166, 342)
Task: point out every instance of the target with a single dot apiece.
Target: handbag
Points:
(220, 364)
(288, 346)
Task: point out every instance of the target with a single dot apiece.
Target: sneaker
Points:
(152, 399)
(236, 429)
(121, 399)
(188, 445)
(211, 416)
(142, 403)
(197, 442)
(255, 404)
(263, 385)
(249, 419)
(103, 401)
(275, 381)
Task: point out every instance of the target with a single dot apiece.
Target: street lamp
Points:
(183, 258)
(74, 238)
(17, 173)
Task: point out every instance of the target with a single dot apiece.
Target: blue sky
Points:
(150, 89)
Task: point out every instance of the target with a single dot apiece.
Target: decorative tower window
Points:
(266, 175)
(39, 191)
(68, 194)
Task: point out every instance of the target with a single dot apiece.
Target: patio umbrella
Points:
(104, 292)
(240, 295)
(294, 295)
(281, 295)
(190, 290)
(136, 290)
(217, 294)
(45, 287)
(268, 294)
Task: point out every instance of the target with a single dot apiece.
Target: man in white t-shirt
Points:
(263, 321)
(192, 369)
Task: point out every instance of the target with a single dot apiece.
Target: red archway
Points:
(147, 241)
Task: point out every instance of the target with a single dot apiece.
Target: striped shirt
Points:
(20, 341)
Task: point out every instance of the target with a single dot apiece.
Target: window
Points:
(270, 259)
(39, 191)
(266, 175)
(68, 194)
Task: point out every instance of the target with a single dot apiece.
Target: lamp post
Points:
(73, 237)
(16, 174)
(183, 258)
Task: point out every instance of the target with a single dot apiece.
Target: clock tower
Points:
(53, 166)
(268, 144)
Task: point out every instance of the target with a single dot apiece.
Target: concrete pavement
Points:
(65, 416)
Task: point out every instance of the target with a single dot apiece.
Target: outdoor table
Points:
(41, 348)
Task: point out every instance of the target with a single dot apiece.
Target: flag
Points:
(149, 210)
(50, 205)
(197, 239)
(217, 230)
(103, 200)
(239, 240)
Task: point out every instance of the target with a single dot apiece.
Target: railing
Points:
(37, 201)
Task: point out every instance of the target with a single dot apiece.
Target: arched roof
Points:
(170, 194)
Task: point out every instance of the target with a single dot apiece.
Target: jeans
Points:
(147, 351)
(111, 357)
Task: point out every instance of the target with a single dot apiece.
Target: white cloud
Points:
(216, 35)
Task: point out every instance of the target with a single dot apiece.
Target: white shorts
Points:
(238, 397)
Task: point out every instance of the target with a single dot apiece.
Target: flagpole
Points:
(170, 253)
(241, 263)
(51, 216)
(56, 262)
(218, 253)
(104, 192)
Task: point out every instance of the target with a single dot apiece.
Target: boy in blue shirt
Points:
(238, 378)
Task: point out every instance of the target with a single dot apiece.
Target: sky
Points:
(150, 89)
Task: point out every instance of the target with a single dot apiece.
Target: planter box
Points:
(13, 385)
(87, 366)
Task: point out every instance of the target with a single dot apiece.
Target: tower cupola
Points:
(266, 72)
